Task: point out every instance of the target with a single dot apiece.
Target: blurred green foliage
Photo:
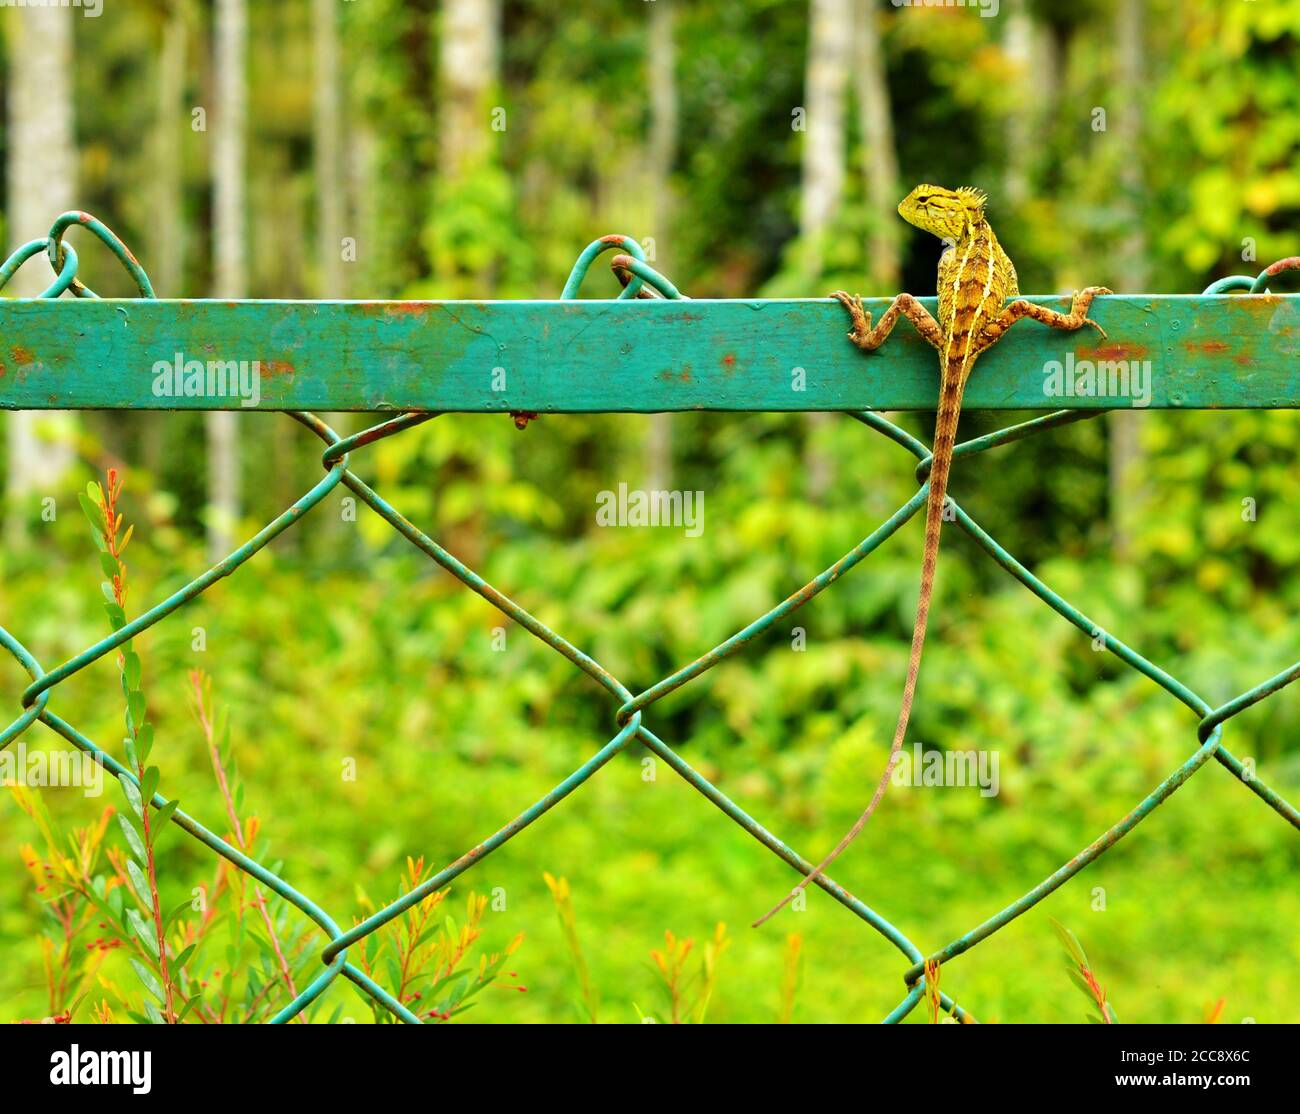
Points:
(340, 643)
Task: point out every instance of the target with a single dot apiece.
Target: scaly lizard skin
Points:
(975, 280)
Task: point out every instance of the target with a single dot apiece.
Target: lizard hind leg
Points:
(1075, 319)
(869, 339)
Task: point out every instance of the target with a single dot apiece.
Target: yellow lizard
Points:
(975, 280)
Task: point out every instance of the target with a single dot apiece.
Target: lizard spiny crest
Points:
(948, 214)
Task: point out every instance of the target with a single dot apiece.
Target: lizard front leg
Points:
(869, 339)
(1075, 319)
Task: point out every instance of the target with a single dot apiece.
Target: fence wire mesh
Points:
(639, 279)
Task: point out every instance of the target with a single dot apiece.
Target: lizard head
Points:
(948, 214)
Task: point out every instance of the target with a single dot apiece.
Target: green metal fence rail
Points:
(649, 350)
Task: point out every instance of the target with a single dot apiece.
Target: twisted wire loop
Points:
(639, 280)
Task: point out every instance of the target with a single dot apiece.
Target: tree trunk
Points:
(825, 81)
(469, 58)
(41, 184)
(1131, 266)
(879, 157)
(830, 41)
(230, 58)
(663, 153)
(331, 202)
(167, 249)
(327, 147)
(1018, 44)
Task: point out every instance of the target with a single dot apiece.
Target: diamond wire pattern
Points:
(640, 280)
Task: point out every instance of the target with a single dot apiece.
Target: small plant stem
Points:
(209, 734)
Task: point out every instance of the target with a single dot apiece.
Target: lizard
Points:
(976, 277)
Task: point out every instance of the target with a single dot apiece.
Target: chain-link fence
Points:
(639, 280)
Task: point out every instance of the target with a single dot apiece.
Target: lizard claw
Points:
(861, 318)
(1089, 294)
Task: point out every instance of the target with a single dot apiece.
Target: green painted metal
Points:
(625, 355)
(629, 355)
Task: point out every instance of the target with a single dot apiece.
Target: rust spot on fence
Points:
(21, 355)
(273, 368)
(1291, 263)
(1114, 351)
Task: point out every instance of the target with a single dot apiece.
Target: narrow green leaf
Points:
(170, 919)
(144, 742)
(109, 564)
(394, 972)
(133, 837)
(131, 669)
(116, 616)
(1070, 942)
(263, 945)
(1082, 984)
(184, 957)
(144, 931)
(149, 783)
(135, 708)
(93, 512)
(185, 1009)
(131, 792)
(165, 813)
(140, 882)
(150, 980)
(110, 906)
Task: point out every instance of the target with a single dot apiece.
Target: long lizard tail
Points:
(945, 437)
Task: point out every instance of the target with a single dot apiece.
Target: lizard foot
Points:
(861, 318)
(1090, 321)
(1086, 297)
